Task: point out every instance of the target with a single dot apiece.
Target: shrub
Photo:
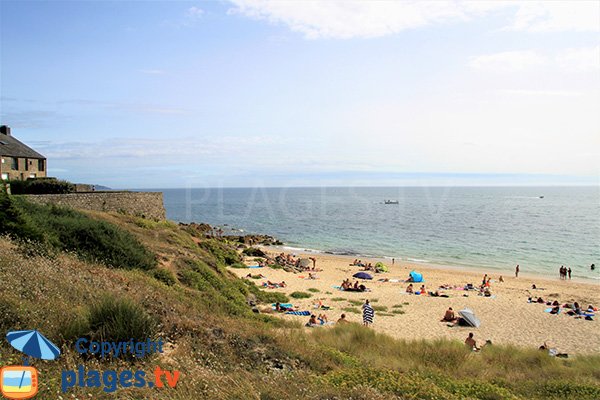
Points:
(253, 252)
(41, 186)
(94, 240)
(313, 290)
(165, 276)
(117, 319)
(300, 295)
(238, 265)
(224, 254)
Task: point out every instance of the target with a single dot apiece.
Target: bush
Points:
(238, 265)
(119, 320)
(254, 252)
(41, 186)
(70, 230)
(300, 295)
(224, 254)
(165, 276)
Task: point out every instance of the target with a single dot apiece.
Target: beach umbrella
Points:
(34, 344)
(469, 317)
(416, 277)
(362, 275)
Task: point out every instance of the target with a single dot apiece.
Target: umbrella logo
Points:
(21, 382)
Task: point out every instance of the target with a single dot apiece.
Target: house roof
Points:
(11, 147)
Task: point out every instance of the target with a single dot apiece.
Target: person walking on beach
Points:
(569, 272)
(368, 313)
(517, 271)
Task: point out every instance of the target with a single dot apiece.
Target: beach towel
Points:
(337, 287)
(550, 310)
(304, 313)
(286, 305)
(368, 314)
(254, 266)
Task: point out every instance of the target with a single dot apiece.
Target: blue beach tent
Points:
(416, 277)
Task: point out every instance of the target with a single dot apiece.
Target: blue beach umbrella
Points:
(362, 275)
(34, 344)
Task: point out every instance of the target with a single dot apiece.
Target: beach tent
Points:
(362, 275)
(416, 277)
(381, 267)
(469, 317)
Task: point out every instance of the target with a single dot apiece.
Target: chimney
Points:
(5, 130)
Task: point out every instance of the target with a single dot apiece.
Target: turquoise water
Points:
(491, 227)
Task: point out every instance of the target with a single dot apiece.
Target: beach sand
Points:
(506, 318)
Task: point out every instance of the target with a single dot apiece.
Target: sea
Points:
(495, 228)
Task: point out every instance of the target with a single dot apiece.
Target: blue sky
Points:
(248, 92)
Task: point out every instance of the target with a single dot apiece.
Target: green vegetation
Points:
(65, 229)
(41, 186)
(356, 302)
(228, 352)
(313, 290)
(300, 295)
(165, 276)
(112, 319)
(380, 308)
(253, 252)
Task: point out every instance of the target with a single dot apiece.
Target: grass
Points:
(227, 351)
(338, 299)
(399, 312)
(356, 302)
(313, 290)
(63, 229)
(300, 295)
(397, 306)
(380, 308)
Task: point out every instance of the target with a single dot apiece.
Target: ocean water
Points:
(482, 227)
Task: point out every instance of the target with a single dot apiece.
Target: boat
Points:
(541, 197)
(391, 202)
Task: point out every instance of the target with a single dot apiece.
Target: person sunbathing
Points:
(342, 319)
(471, 343)
(449, 316)
(423, 291)
(312, 321)
(323, 319)
(312, 276)
(409, 289)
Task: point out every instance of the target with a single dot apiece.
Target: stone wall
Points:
(143, 204)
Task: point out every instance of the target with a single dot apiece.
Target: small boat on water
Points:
(541, 197)
(391, 202)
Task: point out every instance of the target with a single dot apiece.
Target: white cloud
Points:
(568, 60)
(194, 12)
(561, 93)
(556, 16)
(508, 61)
(344, 19)
(579, 60)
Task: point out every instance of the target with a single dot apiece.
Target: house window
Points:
(40, 165)
(27, 162)
(14, 164)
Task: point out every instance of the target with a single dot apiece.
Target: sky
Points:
(160, 94)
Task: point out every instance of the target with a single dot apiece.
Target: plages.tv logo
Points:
(21, 382)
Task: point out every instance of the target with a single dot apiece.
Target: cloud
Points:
(194, 12)
(345, 19)
(579, 60)
(508, 61)
(557, 16)
(560, 93)
(568, 60)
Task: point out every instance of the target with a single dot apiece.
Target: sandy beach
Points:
(506, 318)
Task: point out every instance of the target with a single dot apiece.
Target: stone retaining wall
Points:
(142, 204)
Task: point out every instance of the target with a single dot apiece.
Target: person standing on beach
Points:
(368, 313)
(517, 271)
(569, 272)
(393, 261)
